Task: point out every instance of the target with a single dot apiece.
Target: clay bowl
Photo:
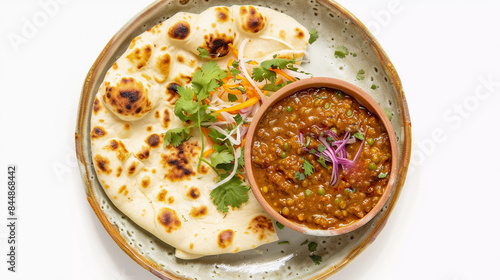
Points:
(364, 100)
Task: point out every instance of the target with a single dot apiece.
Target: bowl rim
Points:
(363, 99)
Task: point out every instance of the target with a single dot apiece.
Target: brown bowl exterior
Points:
(365, 100)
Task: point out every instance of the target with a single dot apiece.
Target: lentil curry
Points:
(295, 178)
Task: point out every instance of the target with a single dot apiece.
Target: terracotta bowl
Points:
(364, 100)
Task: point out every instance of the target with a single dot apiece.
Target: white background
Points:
(446, 224)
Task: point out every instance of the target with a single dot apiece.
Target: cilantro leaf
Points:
(382, 175)
(308, 168)
(359, 135)
(232, 97)
(240, 88)
(232, 193)
(260, 74)
(312, 246)
(185, 103)
(241, 159)
(388, 113)
(279, 225)
(280, 63)
(313, 35)
(234, 72)
(207, 79)
(236, 63)
(216, 136)
(316, 259)
(203, 53)
(341, 52)
(321, 160)
(234, 69)
(321, 148)
(361, 75)
(300, 176)
(238, 119)
(176, 136)
(272, 87)
(220, 148)
(217, 158)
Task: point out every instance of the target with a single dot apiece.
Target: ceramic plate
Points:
(336, 27)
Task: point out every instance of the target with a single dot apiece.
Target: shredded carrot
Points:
(252, 93)
(233, 49)
(280, 72)
(230, 89)
(208, 152)
(241, 176)
(253, 62)
(243, 142)
(240, 106)
(220, 118)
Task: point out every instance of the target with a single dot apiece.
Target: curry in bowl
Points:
(320, 159)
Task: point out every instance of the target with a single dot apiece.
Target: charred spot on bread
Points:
(198, 212)
(260, 225)
(153, 140)
(166, 118)
(178, 162)
(139, 57)
(217, 44)
(97, 106)
(299, 33)
(163, 64)
(98, 132)
(225, 238)
(119, 148)
(103, 164)
(144, 153)
(194, 193)
(132, 168)
(179, 31)
(168, 219)
(128, 98)
(222, 14)
(145, 181)
(252, 20)
(161, 195)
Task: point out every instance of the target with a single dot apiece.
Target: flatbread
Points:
(159, 188)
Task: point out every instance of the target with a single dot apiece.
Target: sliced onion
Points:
(227, 135)
(296, 74)
(244, 71)
(335, 152)
(237, 155)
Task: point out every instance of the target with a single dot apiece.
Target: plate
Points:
(336, 28)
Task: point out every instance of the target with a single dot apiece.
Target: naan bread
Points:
(159, 188)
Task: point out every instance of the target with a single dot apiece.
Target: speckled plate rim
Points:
(83, 146)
